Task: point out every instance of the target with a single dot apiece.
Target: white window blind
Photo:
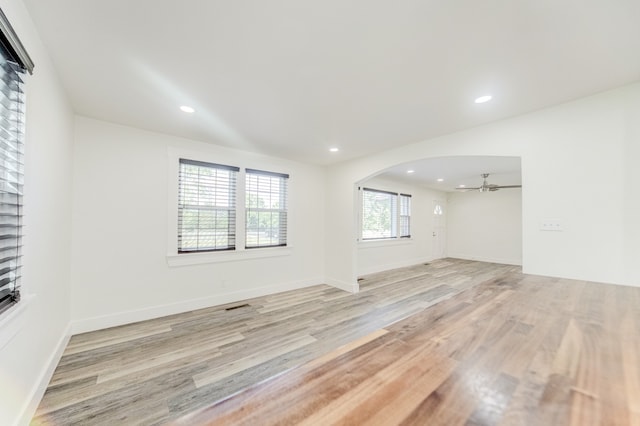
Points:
(14, 61)
(266, 209)
(379, 214)
(206, 207)
(405, 215)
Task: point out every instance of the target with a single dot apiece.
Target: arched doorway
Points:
(447, 217)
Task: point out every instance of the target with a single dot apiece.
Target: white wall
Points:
(375, 256)
(121, 224)
(485, 226)
(631, 198)
(579, 165)
(37, 331)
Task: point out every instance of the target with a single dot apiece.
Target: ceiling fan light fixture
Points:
(486, 186)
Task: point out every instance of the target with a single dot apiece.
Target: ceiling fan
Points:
(486, 187)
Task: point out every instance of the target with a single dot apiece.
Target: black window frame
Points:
(396, 222)
(14, 62)
(275, 185)
(404, 215)
(217, 184)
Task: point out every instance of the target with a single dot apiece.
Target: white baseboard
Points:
(127, 317)
(36, 394)
(343, 285)
(392, 265)
(503, 261)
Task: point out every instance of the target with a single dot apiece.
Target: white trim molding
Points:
(393, 265)
(127, 317)
(386, 242)
(12, 320)
(186, 259)
(517, 262)
(36, 394)
(342, 285)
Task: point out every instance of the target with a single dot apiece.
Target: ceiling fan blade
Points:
(507, 186)
(467, 189)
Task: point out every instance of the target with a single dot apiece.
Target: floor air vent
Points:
(236, 307)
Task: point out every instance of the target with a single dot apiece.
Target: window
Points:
(210, 219)
(266, 209)
(405, 215)
(379, 214)
(206, 207)
(385, 214)
(14, 61)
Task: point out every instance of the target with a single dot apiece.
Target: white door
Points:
(439, 230)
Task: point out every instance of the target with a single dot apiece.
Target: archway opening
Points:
(432, 208)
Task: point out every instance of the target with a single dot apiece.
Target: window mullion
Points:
(241, 211)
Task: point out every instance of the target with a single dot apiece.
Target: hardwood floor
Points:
(453, 342)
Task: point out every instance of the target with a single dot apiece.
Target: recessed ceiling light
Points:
(410, 171)
(461, 186)
(440, 180)
(188, 109)
(483, 99)
(334, 149)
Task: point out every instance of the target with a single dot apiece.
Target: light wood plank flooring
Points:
(453, 342)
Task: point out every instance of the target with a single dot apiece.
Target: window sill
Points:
(12, 320)
(365, 244)
(174, 260)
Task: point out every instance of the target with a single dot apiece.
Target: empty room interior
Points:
(244, 212)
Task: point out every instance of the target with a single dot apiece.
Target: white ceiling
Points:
(455, 171)
(291, 78)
